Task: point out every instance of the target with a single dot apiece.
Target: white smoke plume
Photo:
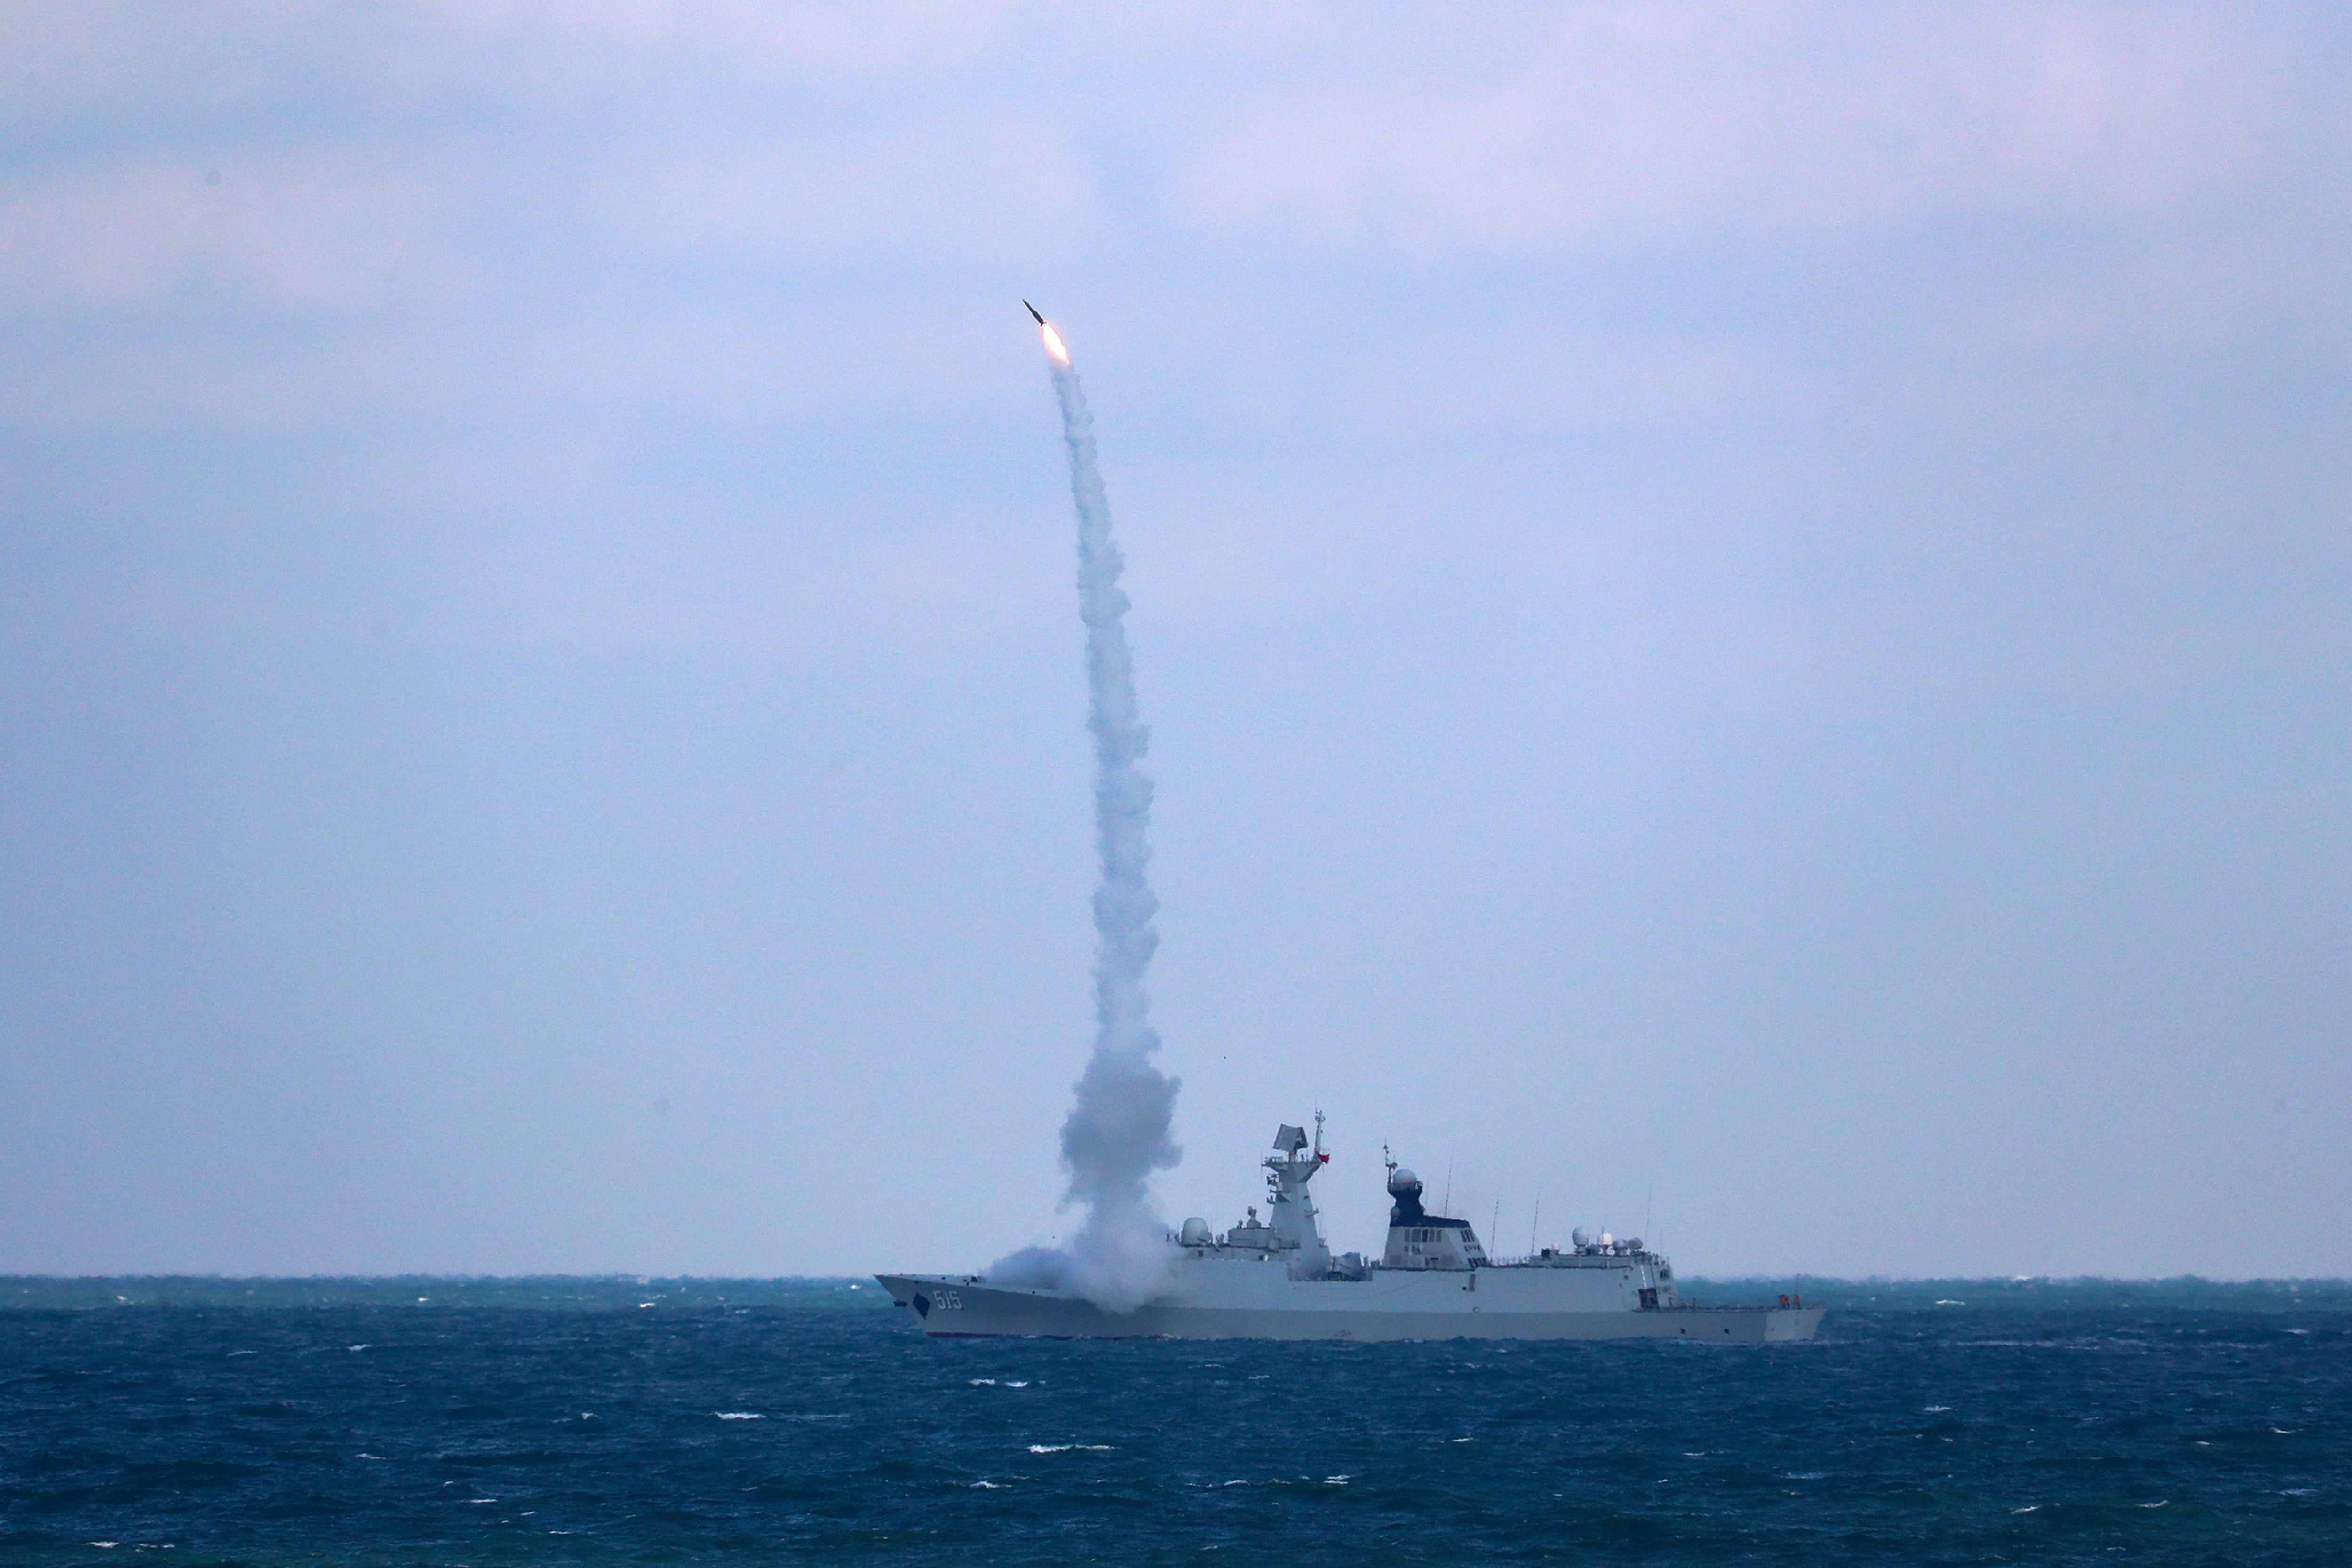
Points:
(1117, 1133)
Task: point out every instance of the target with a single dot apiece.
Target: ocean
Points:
(566, 1421)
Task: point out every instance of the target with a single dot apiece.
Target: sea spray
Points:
(1118, 1131)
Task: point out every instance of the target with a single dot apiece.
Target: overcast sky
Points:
(1744, 610)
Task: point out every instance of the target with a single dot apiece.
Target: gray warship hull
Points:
(1360, 1310)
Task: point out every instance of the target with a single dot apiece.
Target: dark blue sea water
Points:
(223, 1422)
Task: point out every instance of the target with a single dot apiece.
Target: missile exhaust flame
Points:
(1053, 339)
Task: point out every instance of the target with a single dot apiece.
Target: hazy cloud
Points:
(1646, 123)
(914, 194)
(299, 233)
(1763, 584)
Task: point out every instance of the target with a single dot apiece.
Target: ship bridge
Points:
(1290, 1231)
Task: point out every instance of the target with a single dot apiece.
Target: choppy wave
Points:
(548, 1428)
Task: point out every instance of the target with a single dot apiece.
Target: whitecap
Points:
(1933, 1409)
(1806, 1475)
(2284, 1432)
(355, 1347)
(2296, 1491)
(1050, 1447)
(983, 1383)
(1022, 1384)
(1335, 1480)
(257, 1353)
(2159, 1503)
(2028, 1507)
(106, 1546)
(1700, 1454)
(986, 1486)
(1093, 1447)
(739, 1416)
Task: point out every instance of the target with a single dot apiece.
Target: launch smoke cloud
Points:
(1118, 1131)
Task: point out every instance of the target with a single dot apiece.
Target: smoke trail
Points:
(1117, 1133)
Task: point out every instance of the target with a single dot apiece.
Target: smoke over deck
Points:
(1117, 1133)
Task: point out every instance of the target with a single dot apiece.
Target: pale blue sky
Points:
(1743, 610)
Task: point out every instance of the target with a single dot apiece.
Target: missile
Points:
(1033, 311)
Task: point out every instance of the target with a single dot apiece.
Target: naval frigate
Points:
(1274, 1278)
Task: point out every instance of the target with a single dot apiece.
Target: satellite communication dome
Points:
(1632, 1244)
(1581, 1236)
(1195, 1232)
(1403, 1180)
(1607, 1239)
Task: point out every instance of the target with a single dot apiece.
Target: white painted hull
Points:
(1484, 1304)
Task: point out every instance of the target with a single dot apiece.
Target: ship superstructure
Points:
(1275, 1278)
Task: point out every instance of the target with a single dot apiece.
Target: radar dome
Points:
(1195, 1232)
(1581, 1236)
(1402, 1180)
(1607, 1239)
